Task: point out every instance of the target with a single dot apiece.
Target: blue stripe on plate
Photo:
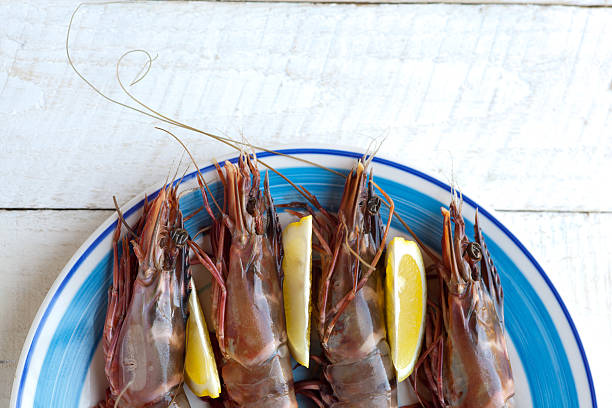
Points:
(79, 331)
(70, 351)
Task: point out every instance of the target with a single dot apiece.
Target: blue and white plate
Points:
(61, 364)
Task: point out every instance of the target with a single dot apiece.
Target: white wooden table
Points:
(513, 101)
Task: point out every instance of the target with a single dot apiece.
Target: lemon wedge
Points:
(405, 298)
(297, 269)
(201, 373)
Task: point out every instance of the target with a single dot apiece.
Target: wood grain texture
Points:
(513, 101)
(35, 246)
(581, 3)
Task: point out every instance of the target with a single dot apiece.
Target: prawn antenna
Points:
(122, 219)
(146, 110)
(200, 176)
(373, 148)
(123, 392)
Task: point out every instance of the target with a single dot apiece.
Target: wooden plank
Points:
(581, 3)
(574, 250)
(439, 80)
(35, 246)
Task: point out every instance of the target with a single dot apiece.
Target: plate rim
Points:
(97, 236)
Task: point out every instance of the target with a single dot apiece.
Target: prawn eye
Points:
(179, 237)
(373, 205)
(474, 251)
(251, 205)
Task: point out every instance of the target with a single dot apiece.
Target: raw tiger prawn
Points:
(144, 331)
(464, 362)
(248, 312)
(349, 299)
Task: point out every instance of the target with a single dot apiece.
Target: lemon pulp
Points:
(297, 269)
(201, 373)
(406, 298)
